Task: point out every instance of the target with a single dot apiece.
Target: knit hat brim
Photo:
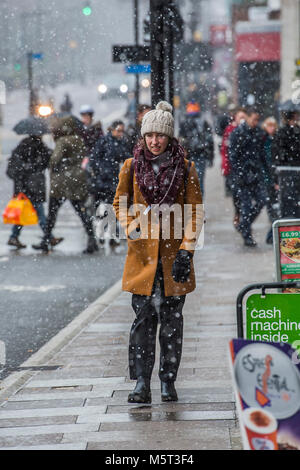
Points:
(159, 120)
(158, 127)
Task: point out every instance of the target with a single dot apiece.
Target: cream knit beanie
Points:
(159, 120)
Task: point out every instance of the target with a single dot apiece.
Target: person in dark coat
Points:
(195, 134)
(26, 167)
(270, 127)
(248, 162)
(92, 131)
(239, 117)
(110, 152)
(67, 105)
(67, 180)
(286, 153)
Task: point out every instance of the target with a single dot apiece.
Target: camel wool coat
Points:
(157, 239)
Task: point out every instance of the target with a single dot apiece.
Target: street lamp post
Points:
(30, 85)
(157, 51)
(136, 33)
(166, 28)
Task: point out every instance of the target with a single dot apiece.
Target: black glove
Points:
(182, 266)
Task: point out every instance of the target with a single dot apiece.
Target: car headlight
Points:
(123, 88)
(45, 110)
(145, 82)
(102, 88)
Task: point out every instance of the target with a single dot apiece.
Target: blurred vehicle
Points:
(116, 85)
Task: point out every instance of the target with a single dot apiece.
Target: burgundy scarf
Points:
(161, 188)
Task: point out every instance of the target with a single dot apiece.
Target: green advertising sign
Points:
(273, 317)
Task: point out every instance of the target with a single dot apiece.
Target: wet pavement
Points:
(80, 400)
(42, 294)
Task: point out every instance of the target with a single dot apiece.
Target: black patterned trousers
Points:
(151, 311)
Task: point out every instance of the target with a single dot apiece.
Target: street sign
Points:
(138, 68)
(37, 56)
(131, 54)
(273, 317)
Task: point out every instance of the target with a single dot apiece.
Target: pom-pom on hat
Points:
(159, 120)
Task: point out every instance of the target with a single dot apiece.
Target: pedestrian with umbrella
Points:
(26, 167)
(159, 268)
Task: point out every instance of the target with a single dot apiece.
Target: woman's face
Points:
(156, 143)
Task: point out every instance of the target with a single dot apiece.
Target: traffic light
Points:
(87, 9)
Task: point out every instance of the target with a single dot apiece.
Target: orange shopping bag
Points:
(20, 211)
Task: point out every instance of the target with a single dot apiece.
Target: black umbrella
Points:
(31, 126)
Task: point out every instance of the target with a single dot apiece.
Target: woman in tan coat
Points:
(159, 204)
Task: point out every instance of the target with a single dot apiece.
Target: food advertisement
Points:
(286, 234)
(290, 252)
(266, 379)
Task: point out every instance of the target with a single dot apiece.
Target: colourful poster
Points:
(266, 379)
(289, 238)
(286, 236)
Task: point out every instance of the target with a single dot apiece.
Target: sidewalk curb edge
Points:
(15, 380)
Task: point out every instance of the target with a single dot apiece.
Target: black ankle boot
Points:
(43, 246)
(168, 391)
(142, 392)
(92, 246)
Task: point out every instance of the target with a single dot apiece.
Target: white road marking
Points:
(14, 288)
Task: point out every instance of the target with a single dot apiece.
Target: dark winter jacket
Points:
(133, 135)
(67, 178)
(104, 164)
(247, 155)
(270, 168)
(91, 135)
(286, 147)
(196, 137)
(27, 166)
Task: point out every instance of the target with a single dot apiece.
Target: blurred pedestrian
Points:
(133, 133)
(67, 180)
(66, 106)
(286, 153)
(196, 136)
(270, 127)
(248, 161)
(26, 167)
(110, 152)
(239, 116)
(92, 131)
(159, 270)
